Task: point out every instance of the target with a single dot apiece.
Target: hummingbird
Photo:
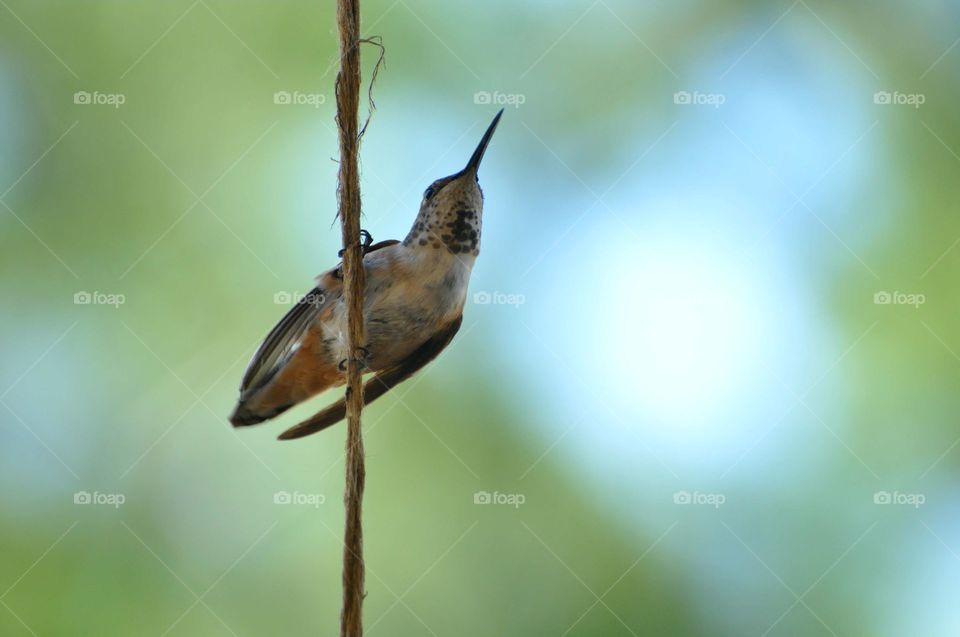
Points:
(412, 306)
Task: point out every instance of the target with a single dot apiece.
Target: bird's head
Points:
(452, 207)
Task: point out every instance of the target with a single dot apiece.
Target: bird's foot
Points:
(366, 240)
(362, 358)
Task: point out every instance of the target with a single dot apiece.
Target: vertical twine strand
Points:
(348, 198)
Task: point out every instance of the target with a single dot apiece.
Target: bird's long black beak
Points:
(474, 163)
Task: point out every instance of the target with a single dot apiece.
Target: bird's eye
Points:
(429, 192)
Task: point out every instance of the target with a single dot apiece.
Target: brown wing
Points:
(380, 383)
(290, 365)
(285, 339)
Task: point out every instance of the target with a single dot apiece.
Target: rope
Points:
(348, 199)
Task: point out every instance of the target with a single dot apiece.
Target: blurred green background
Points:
(708, 369)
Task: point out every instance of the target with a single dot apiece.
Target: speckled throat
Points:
(456, 228)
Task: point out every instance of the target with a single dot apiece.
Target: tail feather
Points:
(244, 416)
(372, 389)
